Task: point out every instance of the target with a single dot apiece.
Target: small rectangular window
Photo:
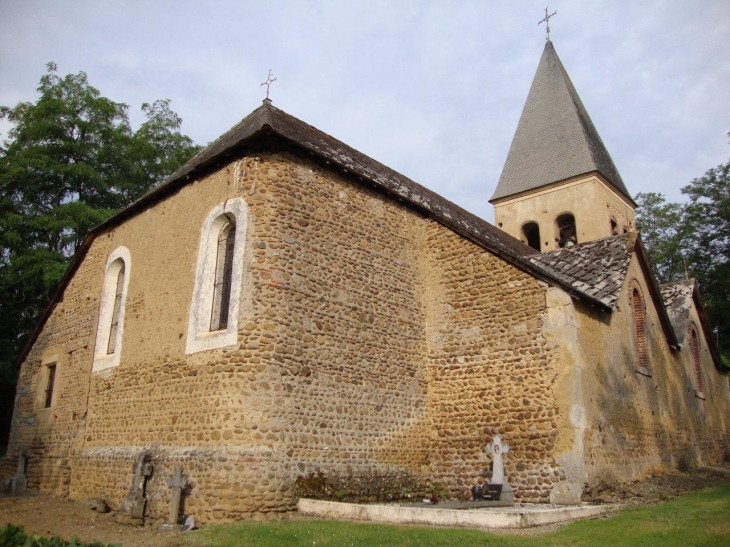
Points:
(49, 385)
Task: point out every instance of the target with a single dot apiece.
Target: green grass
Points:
(698, 519)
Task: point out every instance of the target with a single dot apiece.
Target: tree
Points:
(664, 234)
(707, 216)
(71, 162)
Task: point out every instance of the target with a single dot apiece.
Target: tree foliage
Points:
(695, 234)
(707, 216)
(70, 162)
(664, 235)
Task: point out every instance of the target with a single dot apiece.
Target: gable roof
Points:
(270, 121)
(555, 137)
(596, 268)
(678, 297)
(599, 268)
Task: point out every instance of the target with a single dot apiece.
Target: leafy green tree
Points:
(707, 216)
(71, 161)
(664, 235)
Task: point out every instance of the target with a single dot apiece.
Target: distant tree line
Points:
(692, 239)
(70, 162)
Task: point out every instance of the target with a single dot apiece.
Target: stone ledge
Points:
(515, 517)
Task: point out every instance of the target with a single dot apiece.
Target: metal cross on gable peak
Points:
(546, 20)
(267, 83)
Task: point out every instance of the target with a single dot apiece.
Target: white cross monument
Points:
(497, 448)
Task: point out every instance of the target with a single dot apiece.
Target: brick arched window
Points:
(641, 344)
(694, 350)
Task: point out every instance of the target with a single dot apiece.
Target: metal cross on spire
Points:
(267, 83)
(546, 20)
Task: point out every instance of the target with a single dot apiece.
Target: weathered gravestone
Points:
(177, 482)
(19, 482)
(131, 510)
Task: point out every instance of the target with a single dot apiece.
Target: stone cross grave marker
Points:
(497, 448)
(177, 482)
(19, 482)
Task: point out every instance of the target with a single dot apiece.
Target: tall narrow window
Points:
(641, 345)
(694, 349)
(223, 273)
(214, 310)
(117, 310)
(566, 232)
(531, 235)
(49, 385)
(110, 327)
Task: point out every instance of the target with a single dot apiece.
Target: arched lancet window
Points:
(110, 327)
(641, 345)
(223, 272)
(566, 231)
(213, 320)
(694, 349)
(531, 235)
(116, 314)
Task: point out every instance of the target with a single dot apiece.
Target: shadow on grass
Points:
(698, 519)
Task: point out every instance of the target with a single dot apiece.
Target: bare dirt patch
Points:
(659, 488)
(48, 516)
(51, 516)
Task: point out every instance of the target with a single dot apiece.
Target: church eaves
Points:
(555, 138)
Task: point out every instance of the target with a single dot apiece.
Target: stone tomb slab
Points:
(439, 515)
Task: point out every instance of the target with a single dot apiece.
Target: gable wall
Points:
(638, 425)
(328, 374)
(377, 354)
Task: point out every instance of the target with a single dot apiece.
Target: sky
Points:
(432, 89)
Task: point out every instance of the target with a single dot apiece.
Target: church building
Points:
(285, 316)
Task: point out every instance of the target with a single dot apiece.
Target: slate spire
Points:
(555, 137)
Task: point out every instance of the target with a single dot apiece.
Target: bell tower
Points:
(559, 185)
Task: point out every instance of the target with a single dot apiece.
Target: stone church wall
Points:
(491, 369)
(638, 425)
(326, 388)
(352, 306)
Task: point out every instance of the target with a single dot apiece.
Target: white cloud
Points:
(432, 89)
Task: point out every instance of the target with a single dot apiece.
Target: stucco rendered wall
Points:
(637, 425)
(352, 306)
(591, 201)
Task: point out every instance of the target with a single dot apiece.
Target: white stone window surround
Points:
(200, 337)
(103, 360)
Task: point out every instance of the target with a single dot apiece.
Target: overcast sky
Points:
(433, 89)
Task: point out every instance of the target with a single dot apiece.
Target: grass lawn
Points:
(701, 518)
